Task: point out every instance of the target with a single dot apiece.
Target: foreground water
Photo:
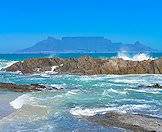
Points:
(82, 96)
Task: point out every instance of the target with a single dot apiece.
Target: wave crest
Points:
(21, 100)
(77, 111)
(137, 57)
(6, 63)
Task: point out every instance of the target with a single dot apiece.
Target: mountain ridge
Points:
(84, 45)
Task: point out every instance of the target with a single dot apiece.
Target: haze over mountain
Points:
(84, 45)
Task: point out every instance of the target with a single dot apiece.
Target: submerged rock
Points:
(137, 123)
(87, 66)
(25, 88)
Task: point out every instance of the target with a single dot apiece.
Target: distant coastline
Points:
(84, 45)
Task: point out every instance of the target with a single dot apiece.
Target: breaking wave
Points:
(6, 63)
(146, 90)
(136, 57)
(77, 111)
(21, 100)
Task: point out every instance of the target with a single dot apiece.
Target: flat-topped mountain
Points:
(84, 45)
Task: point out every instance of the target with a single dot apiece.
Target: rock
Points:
(25, 88)
(137, 123)
(156, 85)
(87, 66)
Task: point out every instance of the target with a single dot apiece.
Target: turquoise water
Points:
(82, 96)
(18, 57)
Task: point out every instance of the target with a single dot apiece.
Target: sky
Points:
(25, 22)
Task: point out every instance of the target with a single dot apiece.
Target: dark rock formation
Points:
(24, 88)
(136, 123)
(156, 86)
(152, 86)
(87, 66)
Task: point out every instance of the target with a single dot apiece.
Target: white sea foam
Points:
(90, 78)
(6, 63)
(44, 75)
(121, 109)
(147, 90)
(125, 81)
(18, 72)
(58, 86)
(145, 101)
(130, 81)
(137, 57)
(21, 100)
(110, 91)
(52, 70)
(90, 112)
(72, 92)
(134, 107)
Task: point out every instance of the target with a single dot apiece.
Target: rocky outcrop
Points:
(136, 123)
(87, 66)
(24, 88)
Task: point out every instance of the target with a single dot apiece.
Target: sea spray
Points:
(6, 63)
(137, 57)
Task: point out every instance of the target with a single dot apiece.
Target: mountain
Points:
(84, 45)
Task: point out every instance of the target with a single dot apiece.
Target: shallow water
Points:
(82, 96)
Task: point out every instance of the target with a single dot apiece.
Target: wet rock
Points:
(136, 123)
(25, 88)
(87, 66)
(156, 85)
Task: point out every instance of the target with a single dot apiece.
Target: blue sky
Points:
(24, 22)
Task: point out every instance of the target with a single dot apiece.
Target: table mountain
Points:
(84, 45)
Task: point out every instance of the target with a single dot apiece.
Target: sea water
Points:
(82, 96)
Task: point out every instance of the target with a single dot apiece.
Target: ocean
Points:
(61, 111)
